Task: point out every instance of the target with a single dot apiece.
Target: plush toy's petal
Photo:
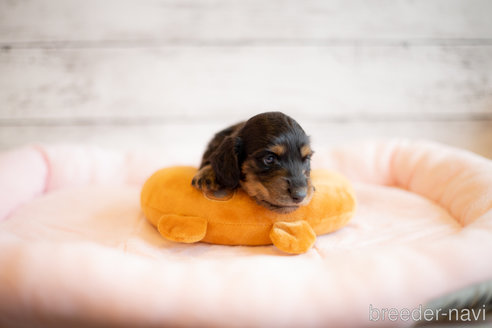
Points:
(184, 229)
(293, 237)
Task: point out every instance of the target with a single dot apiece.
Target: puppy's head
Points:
(272, 157)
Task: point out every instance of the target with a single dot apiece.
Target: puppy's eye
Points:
(269, 159)
(306, 158)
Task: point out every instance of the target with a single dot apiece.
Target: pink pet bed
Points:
(75, 249)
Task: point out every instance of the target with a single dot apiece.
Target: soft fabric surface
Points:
(76, 250)
(182, 213)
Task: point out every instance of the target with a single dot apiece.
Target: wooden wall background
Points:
(169, 73)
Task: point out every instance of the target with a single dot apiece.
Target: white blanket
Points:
(76, 250)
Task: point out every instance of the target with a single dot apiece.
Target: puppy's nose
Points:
(298, 194)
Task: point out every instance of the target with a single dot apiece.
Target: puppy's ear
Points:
(225, 162)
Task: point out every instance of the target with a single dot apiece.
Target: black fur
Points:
(226, 163)
(252, 142)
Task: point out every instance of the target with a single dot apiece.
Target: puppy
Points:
(268, 156)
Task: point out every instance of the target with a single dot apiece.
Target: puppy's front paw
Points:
(205, 180)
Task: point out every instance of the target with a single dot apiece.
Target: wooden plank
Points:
(210, 83)
(184, 142)
(223, 20)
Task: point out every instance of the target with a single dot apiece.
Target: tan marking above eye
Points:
(306, 151)
(279, 150)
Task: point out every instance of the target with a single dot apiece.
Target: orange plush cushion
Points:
(182, 213)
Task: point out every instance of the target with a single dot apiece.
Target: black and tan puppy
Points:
(268, 156)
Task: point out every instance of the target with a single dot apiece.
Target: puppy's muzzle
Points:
(297, 189)
(298, 194)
